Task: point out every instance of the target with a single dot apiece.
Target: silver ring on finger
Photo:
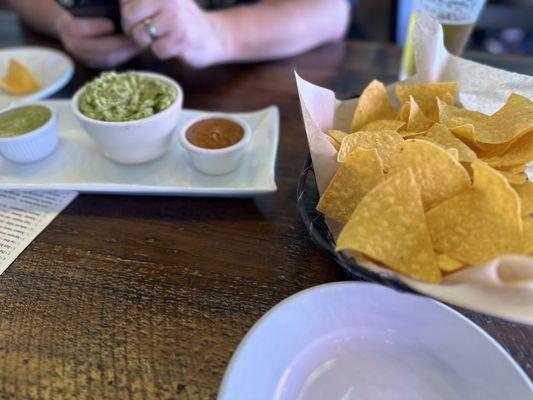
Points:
(150, 29)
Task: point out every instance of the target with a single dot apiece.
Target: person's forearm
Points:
(281, 28)
(40, 15)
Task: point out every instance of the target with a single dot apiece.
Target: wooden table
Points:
(147, 297)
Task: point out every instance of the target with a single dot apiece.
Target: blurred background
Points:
(504, 27)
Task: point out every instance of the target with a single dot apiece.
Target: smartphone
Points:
(95, 8)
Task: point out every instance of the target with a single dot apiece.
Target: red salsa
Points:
(214, 133)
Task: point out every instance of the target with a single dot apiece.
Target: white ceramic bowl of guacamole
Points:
(131, 116)
(28, 133)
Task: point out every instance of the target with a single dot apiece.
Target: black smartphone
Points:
(95, 8)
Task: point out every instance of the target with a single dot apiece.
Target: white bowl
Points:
(138, 141)
(52, 68)
(216, 161)
(34, 145)
(356, 340)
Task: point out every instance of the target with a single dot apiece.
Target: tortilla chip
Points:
(383, 125)
(462, 122)
(389, 226)
(426, 94)
(514, 178)
(441, 135)
(19, 80)
(438, 174)
(527, 223)
(385, 142)
(337, 135)
(448, 98)
(510, 122)
(454, 153)
(525, 192)
(405, 111)
(448, 264)
(417, 120)
(519, 153)
(491, 150)
(411, 135)
(481, 223)
(374, 104)
(507, 124)
(356, 176)
(517, 169)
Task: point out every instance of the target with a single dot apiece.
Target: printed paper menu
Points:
(23, 215)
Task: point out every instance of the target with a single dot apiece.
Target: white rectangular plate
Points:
(78, 165)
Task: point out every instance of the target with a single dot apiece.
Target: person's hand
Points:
(91, 40)
(183, 29)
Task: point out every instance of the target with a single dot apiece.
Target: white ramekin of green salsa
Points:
(131, 116)
(28, 133)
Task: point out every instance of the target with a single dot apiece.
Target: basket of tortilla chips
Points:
(424, 184)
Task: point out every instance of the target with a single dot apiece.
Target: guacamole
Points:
(21, 120)
(125, 97)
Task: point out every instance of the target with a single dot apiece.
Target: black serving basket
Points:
(307, 199)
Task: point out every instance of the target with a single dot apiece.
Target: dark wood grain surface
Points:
(125, 297)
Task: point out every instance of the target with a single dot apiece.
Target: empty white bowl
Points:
(138, 141)
(362, 341)
(216, 161)
(34, 145)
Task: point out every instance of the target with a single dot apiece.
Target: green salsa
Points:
(21, 120)
(125, 97)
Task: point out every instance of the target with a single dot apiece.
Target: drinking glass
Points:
(457, 18)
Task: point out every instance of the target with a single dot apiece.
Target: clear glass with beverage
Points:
(457, 18)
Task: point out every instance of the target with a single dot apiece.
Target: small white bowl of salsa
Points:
(28, 133)
(216, 143)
